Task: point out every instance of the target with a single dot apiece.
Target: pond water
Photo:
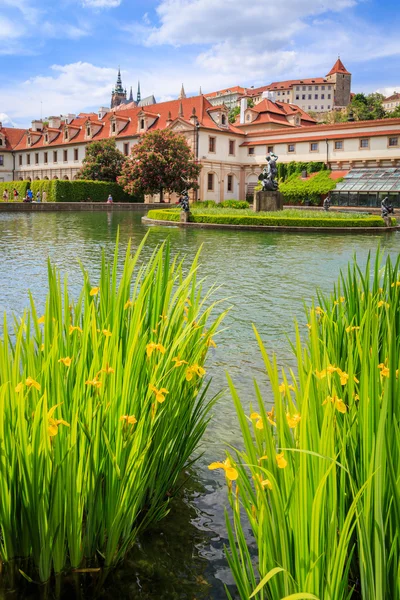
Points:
(266, 279)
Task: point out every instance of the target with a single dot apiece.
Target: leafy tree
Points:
(394, 114)
(103, 161)
(161, 162)
(366, 107)
(233, 113)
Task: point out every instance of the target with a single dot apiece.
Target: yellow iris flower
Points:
(194, 370)
(153, 346)
(53, 424)
(41, 320)
(255, 416)
(352, 328)
(160, 394)
(178, 362)
(230, 472)
(385, 371)
(210, 343)
(107, 332)
(343, 376)
(281, 461)
(129, 419)
(32, 383)
(338, 402)
(93, 382)
(382, 303)
(73, 328)
(65, 361)
(128, 304)
(19, 387)
(94, 291)
(293, 420)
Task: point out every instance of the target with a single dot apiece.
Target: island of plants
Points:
(243, 216)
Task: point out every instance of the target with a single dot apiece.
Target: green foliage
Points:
(97, 417)
(296, 190)
(316, 477)
(161, 161)
(204, 204)
(103, 161)
(285, 170)
(233, 113)
(97, 191)
(44, 185)
(20, 186)
(270, 221)
(237, 204)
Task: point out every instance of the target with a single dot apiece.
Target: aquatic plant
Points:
(318, 480)
(102, 405)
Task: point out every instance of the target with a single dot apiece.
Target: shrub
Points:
(168, 215)
(204, 204)
(318, 478)
(297, 191)
(80, 190)
(239, 204)
(102, 404)
(44, 185)
(20, 186)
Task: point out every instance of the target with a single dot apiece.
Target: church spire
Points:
(200, 92)
(139, 96)
(118, 87)
(182, 94)
(180, 113)
(130, 96)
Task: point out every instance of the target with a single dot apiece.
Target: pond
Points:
(266, 278)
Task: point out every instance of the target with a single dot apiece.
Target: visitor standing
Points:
(109, 199)
(38, 199)
(29, 195)
(44, 196)
(5, 195)
(16, 195)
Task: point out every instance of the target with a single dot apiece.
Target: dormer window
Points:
(1, 141)
(88, 131)
(46, 138)
(223, 119)
(29, 140)
(141, 123)
(113, 127)
(65, 134)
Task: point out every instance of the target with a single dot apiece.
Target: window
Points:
(251, 151)
(76, 153)
(65, 155)
(46, 138)
(270, 149)
(309, 88)
(28, 159)
(211, 144)
(316, 97)
(315, 107)
(309, 108)
(88, 131)
(1, 141)
(393, 142)
(20, 160)
(322, 96)
(291, 148)
(29, 140)
(329, 106)
(230, 183)
(141, 123)
(126, 148)
(36, 158)
(45, 158)
(314, 147)
(329, 96)
(309, 96)
(322, 87)
(316, 88)
(303, 97)
(278, 93)
(329, 87)
(66, 134)
(364, 143)
(1, 160)
(297, 87)
(55, 156)
(113, 127)
(210, 182)
(304, 88)
(231, 147)
(223, 119)
(339, 145)
(297, 96)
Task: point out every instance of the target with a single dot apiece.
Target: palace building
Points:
(119, 98)
(231, 155)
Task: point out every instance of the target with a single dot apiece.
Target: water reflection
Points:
(266, 277)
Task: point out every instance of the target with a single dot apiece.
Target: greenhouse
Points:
(367, 187)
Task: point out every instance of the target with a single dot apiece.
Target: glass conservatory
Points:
(367, 187)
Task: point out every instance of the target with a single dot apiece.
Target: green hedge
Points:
(43, 185)
(20, 186)
(167, 215)
(297, 191)
(239, 204)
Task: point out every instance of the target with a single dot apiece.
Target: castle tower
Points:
(341, 79)
(118, 95)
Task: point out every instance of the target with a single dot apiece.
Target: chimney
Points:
(243, 106)
(102, 112)
(54, 122)
(37, 125)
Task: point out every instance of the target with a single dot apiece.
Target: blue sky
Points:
(59, 58)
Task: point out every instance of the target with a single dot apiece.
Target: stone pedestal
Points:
(184, 217)
(268, 201)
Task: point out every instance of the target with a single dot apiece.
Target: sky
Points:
(58, 58)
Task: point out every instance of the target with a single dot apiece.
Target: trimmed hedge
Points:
(239, 204)
(169, 215)
(63, 190)
(20, 186)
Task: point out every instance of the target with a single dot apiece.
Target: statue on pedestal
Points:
(386, 207)
(183, 201)
(269, 174)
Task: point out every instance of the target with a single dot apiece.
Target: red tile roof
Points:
(12, 137)
(159, 111)
(395, 96)
(292, 139)
(338, 67)
(286, 85)
(236, 89)
(276, 112)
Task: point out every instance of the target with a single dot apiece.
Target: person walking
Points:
(38, 199)
(29, 195)
(5, 195)
(16, 195)
(44, 196)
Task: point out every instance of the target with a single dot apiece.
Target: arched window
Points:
(223, 119)
(141, 123)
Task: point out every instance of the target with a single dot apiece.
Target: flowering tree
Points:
(162, 161)
(103, 161)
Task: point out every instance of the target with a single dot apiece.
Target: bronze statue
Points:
(269, 174)
(386, 207)
(183, 201)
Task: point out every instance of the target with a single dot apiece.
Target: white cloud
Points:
(5, 120)
(389, 91)
(9, 30)
(101, 3)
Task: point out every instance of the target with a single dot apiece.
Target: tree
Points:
(233, 113)
(366, 107)
(103, 161)
(161, 162)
